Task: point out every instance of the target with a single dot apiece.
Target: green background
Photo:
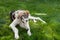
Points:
(40, 31)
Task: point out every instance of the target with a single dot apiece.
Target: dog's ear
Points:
(19, 15)
(27, 12)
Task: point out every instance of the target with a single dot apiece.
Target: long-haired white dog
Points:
(21, 17)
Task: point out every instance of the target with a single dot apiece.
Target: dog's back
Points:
(12, 15)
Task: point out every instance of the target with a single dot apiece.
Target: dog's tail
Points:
(12, 15)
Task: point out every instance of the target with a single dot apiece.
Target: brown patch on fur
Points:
(27, 12)
(19, 15)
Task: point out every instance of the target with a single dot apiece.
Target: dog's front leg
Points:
(15, 30)
(28, 28)
(36, 18)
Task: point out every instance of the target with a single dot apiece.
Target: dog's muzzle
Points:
(25, 20)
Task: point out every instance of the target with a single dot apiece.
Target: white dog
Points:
(21, 17)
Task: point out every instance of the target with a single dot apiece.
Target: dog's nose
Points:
(26, 20)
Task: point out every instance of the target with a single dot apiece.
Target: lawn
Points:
(40, 31)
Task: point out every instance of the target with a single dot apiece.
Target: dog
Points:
(21, 17)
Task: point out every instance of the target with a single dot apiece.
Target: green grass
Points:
(40, 31)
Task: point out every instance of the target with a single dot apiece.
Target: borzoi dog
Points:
(21, 17)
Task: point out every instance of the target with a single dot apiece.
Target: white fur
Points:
(23, 25)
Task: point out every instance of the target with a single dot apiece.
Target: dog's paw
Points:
(44, 22)
(34, 20)
(29, 33)
(16, 37)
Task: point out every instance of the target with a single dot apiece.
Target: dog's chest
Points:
(20, 22)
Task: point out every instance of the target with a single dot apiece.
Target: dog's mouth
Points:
(24, 19)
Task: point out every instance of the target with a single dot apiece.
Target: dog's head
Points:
(23, 15)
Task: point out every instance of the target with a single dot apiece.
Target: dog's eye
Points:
(26, 20)
(25, 16)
